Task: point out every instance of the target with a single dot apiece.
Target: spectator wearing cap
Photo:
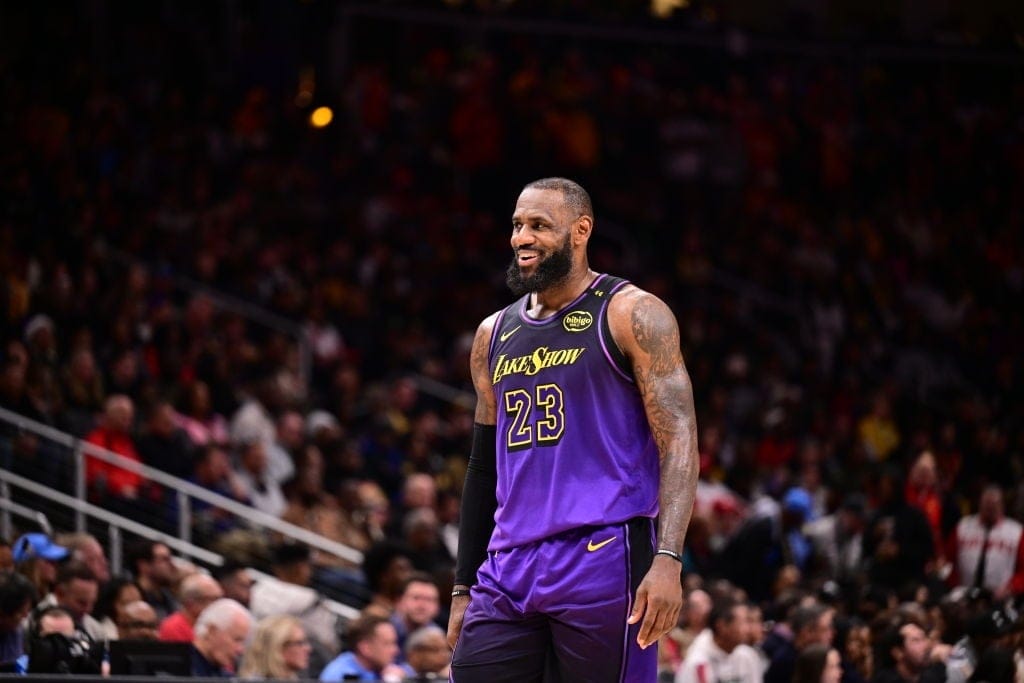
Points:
(765, 544)
(36, 557)
(987, 549)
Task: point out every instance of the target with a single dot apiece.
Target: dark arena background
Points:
(244, 247)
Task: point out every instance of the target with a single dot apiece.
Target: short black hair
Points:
(573, 193)
(74, 570)
(378, 558)
(138, 551)
(723, 610)
(418, 577)
(363, 628)
(15, 591)
(289, 553)
(227, 570)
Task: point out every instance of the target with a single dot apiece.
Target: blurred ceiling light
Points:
(321, 117)
(664, 8)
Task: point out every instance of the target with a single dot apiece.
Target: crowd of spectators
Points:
(839, 238)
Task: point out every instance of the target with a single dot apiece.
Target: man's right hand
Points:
(457, 613)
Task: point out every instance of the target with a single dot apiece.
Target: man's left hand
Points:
(658, 601)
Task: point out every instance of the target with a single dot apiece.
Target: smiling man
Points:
(585, 435)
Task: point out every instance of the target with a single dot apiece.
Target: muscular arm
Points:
(647, 333)
(479, 497)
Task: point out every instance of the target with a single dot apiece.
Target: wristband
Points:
(670, 553)
(459, 592)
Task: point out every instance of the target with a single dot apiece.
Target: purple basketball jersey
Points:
(574, 447)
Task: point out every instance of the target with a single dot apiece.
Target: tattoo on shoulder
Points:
(656, 333)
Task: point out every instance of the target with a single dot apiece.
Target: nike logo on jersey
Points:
(591, 546)
(508, 334)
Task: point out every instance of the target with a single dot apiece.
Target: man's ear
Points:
(581, 229)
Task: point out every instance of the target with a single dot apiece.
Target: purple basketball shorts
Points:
(556, 610)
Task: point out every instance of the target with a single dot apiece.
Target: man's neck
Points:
(551, 300)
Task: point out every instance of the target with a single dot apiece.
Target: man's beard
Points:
(550, 271)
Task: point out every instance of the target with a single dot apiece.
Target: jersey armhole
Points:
(614, 353)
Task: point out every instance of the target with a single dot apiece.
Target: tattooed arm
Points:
(646, 331)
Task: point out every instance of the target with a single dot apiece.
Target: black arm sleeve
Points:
(479, 501)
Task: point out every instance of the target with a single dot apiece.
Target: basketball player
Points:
(585, 435)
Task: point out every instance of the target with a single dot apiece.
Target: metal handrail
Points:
(108, 517)
(180, 485)
(118, 522)
(9, 506)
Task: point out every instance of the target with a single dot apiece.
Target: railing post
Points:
(184, 517)
(80, 493)
(116, 552)
(5, 514)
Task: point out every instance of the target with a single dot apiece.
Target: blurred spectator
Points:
(291, 592)
(6, 556)
(421, 532)
(808, 625)
(764, 545)
(987, 550)
(903, 653)
(837, 541)
(924, 492)
(138, 621)
(17, 596)
(114, 595)
(197, 417)
(36, 557)
(76, 590)
(163, 445)
(427, 653)
(418, 606)
(278, 650)
(152, 565)
(235, 581)
(897, 540)
(212, 470)
(114, 486)
(817, 664)
(707, 659)
(289, 438)
(372, 649)
(82, 386)
(386, 566)
(195, 593)
(222, 630)
(263, 491)
(86, 549)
